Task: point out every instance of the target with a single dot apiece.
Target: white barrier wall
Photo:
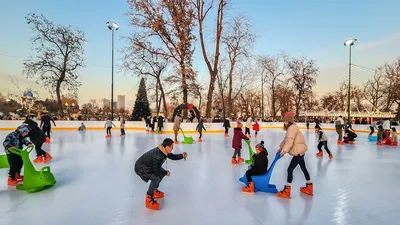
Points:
(187, 127)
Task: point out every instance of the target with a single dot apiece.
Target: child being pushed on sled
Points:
(259, 167)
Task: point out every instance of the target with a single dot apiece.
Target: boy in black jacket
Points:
(149, 167)
(259, 167)
(38, 137)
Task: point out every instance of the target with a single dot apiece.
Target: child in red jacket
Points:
(256, 127)
(237, 143)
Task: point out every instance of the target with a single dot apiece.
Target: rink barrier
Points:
(9, 125)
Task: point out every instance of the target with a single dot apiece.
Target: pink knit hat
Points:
(289, 116)
(239, 124)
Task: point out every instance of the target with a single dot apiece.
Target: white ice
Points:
(96, 184)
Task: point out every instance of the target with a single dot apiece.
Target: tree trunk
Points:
(58, 93)
(211, 87)
(157, 101)
(163, 97)
(398, 111)
(184, 88)
(199, 108)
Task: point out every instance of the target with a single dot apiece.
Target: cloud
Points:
(384, 41)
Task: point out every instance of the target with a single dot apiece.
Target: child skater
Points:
(226, 125)
(237, 143)
(38, 137)
(350, 137)
(256, 127)
(379, 135)
(149, 167)
(160, 123)
(259, 167)
(323, 141)
(16, 139)
(394, 137)
(248, 125)
(122, 126)
(108, 125)
(82, 127)
(200, 127)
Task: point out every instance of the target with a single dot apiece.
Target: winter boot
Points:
(234, 161)
(285, 193)
(158, 194)
(249, 189)
(320, 154)
(308, 189)
(12, 182)
(151, 203)
(39, 159)
(240, 159)
(18, 177)
(47, 157)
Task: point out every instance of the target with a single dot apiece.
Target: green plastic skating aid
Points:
(158, 131)
(34, 180)
(4, 161)
(251, 153)
(187, 140)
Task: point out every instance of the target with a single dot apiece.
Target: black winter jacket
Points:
(226, 124)
(36, 134)
(151, 163)
(261, 161)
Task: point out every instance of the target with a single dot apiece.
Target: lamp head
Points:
(350, 42)
(112, 25)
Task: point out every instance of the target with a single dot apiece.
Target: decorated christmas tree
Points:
(141, 109)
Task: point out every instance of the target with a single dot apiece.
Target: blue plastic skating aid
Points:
(261, 183)
(373, 138)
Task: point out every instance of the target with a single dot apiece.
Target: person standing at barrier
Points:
(177, 126)
(160, 123)
(294, 144)
(339, 123)
(46, 125)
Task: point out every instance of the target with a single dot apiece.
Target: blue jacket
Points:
(14, 139)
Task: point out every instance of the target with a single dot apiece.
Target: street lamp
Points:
(112, 26)
(349, 43)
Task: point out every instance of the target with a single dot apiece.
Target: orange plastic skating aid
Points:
(285, 193)
(308, 189)
(11, 182)
(158, 194)
(249, 189)
(18, 177)
(240, 159)
(47, 158)
(151, 203)
(379, 143)
(319, 154)
(39, 159)
(234, 161)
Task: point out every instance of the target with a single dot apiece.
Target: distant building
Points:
(121, 101)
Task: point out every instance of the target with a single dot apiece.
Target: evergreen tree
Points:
(141, 109)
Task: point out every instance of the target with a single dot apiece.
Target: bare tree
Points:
(238, 40)
(169, 23)
(303, 77)
(374, 91)
(59, 56)
(284, 98)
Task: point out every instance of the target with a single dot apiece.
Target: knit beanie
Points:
(289, 117)
(239, 124)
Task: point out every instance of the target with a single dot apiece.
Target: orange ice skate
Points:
(249, 189)
(308, 189)
(151, 203)
(234, 161)
(158, 194)
(285, 193)
(320, 154)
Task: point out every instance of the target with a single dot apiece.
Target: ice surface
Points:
(96, 184)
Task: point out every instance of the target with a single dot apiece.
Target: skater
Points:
(149, 167)
(372, 128)
(317, 125)
(256, 127)
(296, 146)
(177, 126)
(308, 124)
(46, 126)
(200, 127)
(350, 137)
(248, 125)
(82, 127)
(122, 126)
(160, 123)
(339, 123)
(259, 167)
(394, 137)
(226, 125)
(108, 126)
(237, 143)
(323, 141)
(386, 129)
(13, 140)
(379, 136)
(348, 127)
(38, 138)
(153, 124)
(148, 123)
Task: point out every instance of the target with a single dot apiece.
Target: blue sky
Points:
(314, 28)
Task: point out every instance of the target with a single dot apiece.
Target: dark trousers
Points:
(325, 144)
(46, 130)
(252, 172)
(256, 132)
(39, 150)
(155, 182)
(297, 160)
(152, 127)
(247, 130)
(16, 164)
(226, 130)
(372, 130)
(237, 152)
(122, 131)
(201, 134)
(108, 130)
(159, 129)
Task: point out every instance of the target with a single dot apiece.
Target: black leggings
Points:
(201, 134)
(46, 130)
(252, 172)
(16, 164)
(325, 144)
(256, 132)
(247, 130)
(39, 150)
(297, 160)
(108, 130)
(226, 130)
(122, 131)
(159, 129)
(372, 130)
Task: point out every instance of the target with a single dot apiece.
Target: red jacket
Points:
(237, 138)
(256, 126)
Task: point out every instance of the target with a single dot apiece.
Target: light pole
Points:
(349, 43)
(112, 26)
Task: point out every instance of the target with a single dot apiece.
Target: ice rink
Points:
(96, 184)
